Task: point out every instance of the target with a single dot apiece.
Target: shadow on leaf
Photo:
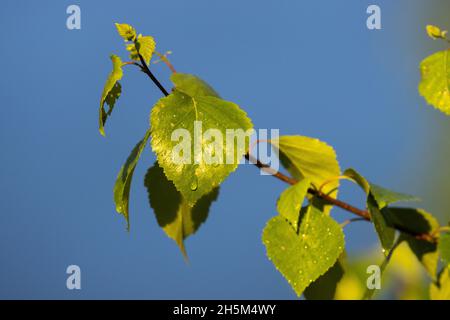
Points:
(174, 215)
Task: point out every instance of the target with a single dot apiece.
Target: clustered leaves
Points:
(303, 240)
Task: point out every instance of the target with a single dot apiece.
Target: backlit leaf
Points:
(444, 247)
(304, 256)
(195, 163)
(174, 215)
(382, 196)
(435, 32)
(325, 287)
(377, 199)
(126, 31)
(124, 178)
(309, 158)
(291, 200)
(385, 232)
(434, 86)
(111, 92)
(385, 197)
(192, 86)
(145, 46)
(410, 222)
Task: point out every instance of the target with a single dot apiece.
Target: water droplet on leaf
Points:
(194, 184)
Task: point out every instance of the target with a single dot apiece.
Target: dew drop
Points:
(194, 184)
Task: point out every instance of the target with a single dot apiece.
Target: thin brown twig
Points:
(363, 214)
(163, 58)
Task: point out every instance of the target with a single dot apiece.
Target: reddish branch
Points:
(338, 203)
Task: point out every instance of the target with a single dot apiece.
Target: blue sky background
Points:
(305, 67)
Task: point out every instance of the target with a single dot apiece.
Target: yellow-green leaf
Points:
(124, 178)
(325, 287)
(143, 45)
(411, 221)
(191, 85)
(173, 213)
(111, 92)
(434, 86)
(435, 32)
(444, 247)
(291, 200)
(386, 233)
(126, 31)
(382, 196)
(304, 256)
(196, 163)
(310, 158)
(377, 199)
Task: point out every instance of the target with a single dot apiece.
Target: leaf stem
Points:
(147, 71)
(163, 58)
(347, 222)
(364, 214)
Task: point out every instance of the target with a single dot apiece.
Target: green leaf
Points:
(143, 45)
(359, 179)
(192, 85)
(291, 200)
(303, 257)
(416, 221)
(174, 215)
(444, 247)
(441, 290)
(434, 85)
(111, 92)
(435, 32)
(124, 178)
(195, 163)
(126, 31)
(324, 288)
(385, 232)
(411, 220)
(382, 196)
(377, 199)
(385, 197)
(309, 158)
